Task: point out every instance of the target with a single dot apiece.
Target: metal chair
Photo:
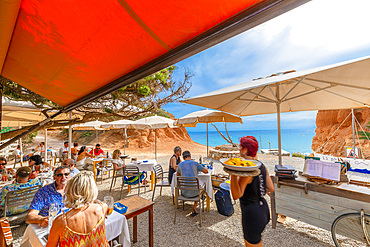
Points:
(163, 181)
(131, 171)
(192, 184)
(104, 166)
(17, 160)
(18, 198)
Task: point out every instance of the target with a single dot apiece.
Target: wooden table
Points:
(138, 205)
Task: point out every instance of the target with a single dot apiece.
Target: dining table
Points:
(115, 226)
(146, 166)
(95, 161)
(204, 180)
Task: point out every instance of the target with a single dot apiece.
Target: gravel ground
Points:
(216, 230)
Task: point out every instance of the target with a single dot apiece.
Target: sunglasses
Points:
(2, 164)
(61, 174)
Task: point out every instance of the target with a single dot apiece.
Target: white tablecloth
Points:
(115, 226)
(203, 179)
(144, 166)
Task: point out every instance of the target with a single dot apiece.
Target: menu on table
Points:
(318, 168)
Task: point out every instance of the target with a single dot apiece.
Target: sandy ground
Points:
(217, 230)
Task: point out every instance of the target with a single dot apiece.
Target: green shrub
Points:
(29, 137)
(87, 134)
(298, 155)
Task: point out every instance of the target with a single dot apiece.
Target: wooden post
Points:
(70, 137)
(1, 106)
(273, 210)
(46, 145)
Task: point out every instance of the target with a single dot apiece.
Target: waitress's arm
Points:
(269, 184)
(238, 185)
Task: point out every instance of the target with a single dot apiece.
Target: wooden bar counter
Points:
(313, 203)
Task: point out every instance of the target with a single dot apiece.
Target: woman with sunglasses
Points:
(81, 156)
(37, 165)
(3, 169)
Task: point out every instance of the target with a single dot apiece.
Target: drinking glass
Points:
(53, 211)
(109, 201)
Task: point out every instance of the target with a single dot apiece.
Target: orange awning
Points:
(72, 52)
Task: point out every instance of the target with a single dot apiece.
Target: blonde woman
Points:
(84, 223)
(118, 164)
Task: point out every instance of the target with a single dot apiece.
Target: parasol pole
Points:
(124, 142)
(207, 140)
(354, 134)
(278, 122)
(155, 131)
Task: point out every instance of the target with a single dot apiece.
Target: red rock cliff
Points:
(327, 122)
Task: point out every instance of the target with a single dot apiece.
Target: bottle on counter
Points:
(200, 159)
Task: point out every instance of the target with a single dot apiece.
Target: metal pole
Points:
(260, 143)
(46, 144)
(278, 122)
(354, 134)
(124, 142)
(155, 144)
(70, 137)
(207, 140)
(21, 148)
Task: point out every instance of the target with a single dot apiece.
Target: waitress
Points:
(251, 191)
(174, 163)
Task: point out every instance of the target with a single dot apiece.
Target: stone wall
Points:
(224, 151)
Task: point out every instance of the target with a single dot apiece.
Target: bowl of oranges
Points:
(238, 164)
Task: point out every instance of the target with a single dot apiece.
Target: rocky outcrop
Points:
(334, 131)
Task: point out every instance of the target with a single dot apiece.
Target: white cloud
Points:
(318, 33)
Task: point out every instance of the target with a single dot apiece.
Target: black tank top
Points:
(171, 170)
(255, 190)
(177, 162)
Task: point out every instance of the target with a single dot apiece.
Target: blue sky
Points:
(318, 33)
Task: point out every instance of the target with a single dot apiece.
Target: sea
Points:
(292, 140)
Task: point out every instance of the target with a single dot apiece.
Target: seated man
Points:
(22, 181)
(97, 150)
(71, 164)
(17, 154)
(63, 151)
(51, 193)
(40, 147)
(190, 168)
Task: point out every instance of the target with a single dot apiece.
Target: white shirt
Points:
(120, 163)
(17, 152)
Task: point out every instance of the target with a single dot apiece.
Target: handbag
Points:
(223, 202)
(6, 238)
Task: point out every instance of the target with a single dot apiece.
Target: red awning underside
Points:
(65, 50)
